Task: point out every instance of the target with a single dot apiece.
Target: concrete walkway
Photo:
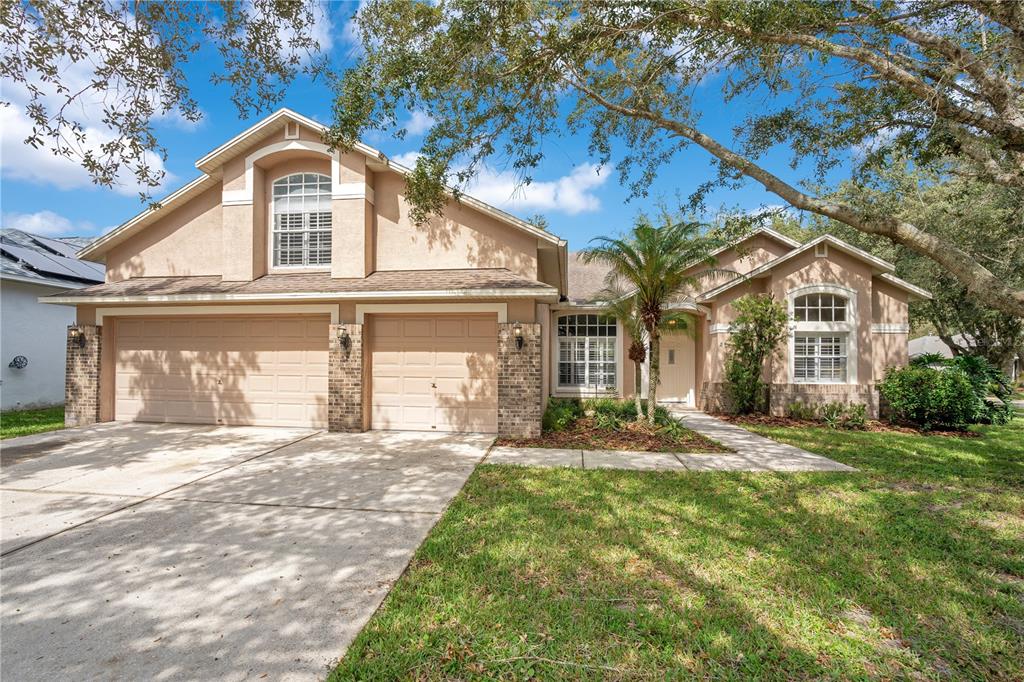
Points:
(752, 453)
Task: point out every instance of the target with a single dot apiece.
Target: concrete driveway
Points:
(144, 551)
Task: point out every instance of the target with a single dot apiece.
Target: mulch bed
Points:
(585, 435)
(873, 426)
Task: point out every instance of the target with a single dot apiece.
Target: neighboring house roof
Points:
(28, 257)
(885, 267)
(383, 284)
(926, 345)
(212, 162)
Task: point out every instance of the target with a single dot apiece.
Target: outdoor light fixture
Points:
(346, 342)
(77, 337)
(517, 331)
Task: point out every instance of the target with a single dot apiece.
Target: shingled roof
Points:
(316, 285)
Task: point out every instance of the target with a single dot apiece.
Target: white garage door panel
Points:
(266, 371)
(435, 374)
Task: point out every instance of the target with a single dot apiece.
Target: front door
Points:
(677, 368)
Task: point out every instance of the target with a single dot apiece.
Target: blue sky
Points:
(46, 194)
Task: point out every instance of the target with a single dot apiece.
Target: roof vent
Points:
(821, 250)
(291, 131)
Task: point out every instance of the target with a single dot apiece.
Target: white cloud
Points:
(24, 162)
(321, 30)
(572, 193)
(350, 32)
(47, 224)
(419, 122)
(407, 159)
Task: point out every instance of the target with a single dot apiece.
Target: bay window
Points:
(586, 352)
(301, 223)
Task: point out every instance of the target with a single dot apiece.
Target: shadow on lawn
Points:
(623, 575)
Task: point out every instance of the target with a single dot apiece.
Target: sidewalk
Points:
(752, 453)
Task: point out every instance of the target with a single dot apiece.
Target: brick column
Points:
(519, 381)
(82, 375)
(345, 378)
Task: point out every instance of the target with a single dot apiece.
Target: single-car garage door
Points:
(434, 373)
(260, 370)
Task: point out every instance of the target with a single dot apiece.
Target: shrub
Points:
(930, 397)
(856, 416)
(832, 414)
(927, 359)
(988, 381)
(757, 330)
(622, 410)
(561, 413)
(800, 411)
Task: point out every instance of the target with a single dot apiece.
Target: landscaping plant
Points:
(930, 397)
(654, 262)
(754, 335)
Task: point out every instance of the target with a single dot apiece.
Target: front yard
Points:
(24, 422)
(911, 568)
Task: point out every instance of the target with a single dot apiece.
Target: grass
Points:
(912, 568)
(24, 422)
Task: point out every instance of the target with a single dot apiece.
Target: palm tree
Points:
(623, 307)
(652, 263)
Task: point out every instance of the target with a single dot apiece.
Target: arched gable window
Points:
(823, 345)
(586, 351)
(301, 222)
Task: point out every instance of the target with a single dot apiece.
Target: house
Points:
(32, 363)
(287, 285)
(931, 344)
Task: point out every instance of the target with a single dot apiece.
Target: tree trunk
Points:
(638, 378)
(654, 375)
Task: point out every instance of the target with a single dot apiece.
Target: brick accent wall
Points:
(520, 402)
(715, 399)
(345, 379)
(82, 377)
(819, 394)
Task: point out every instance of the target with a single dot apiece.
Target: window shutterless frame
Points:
(587, 352)
(300, 223)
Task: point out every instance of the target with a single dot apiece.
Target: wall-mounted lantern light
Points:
(346, 342)
(517, 331)
(19, 362)
(77, 337)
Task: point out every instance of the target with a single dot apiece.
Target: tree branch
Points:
(978, 279)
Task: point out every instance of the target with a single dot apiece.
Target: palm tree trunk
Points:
(655, 374)
(638, 378)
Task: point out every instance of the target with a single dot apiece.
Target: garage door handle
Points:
(433, 385)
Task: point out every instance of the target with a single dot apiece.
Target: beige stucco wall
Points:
(741, 259)
(888, 304)
(202, 237)
(186, 241)
(888, 350)
(461, 238)
(838, 268)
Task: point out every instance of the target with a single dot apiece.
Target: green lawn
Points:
(911, 569)
(23, 422)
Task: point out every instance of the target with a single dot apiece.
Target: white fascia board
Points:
(764, 269)
(546, 293)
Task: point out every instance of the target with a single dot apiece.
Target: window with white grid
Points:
(819, 308)
(586, 351)
(301, 228)
(820, 357)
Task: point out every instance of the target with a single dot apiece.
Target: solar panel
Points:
(52, 264)
(59, 247)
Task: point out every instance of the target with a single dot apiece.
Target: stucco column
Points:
(82, 378)
(345, 378)
(520, 375)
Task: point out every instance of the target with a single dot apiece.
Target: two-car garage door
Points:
(262, 370)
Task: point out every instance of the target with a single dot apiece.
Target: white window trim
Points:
(849, 327)
(270, 235)
(585, 391)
